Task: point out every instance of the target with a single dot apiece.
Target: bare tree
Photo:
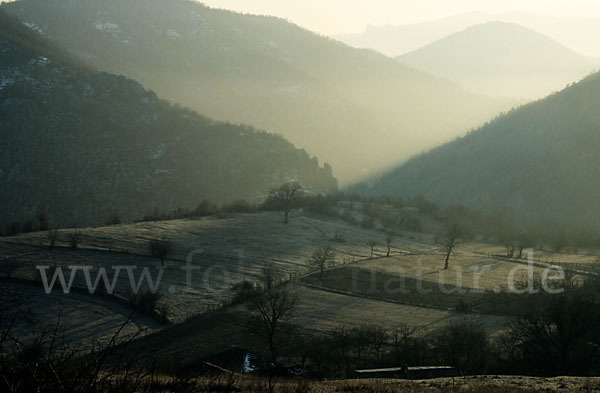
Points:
(75, 238)
(113, 219)
(372, 244)
(161, 248)
(510, 248)
(271, 310)
(523, 241)
(284, 197)
(270, 276)
(43, 221)
(449, 239)
(243, 291)
(321, 258)
(515, 244)
(378, 337)
(559, 241)
(464, 344)
(388, 243)
(403, 344)
(145, 302)
(52, 236)
(551, 331)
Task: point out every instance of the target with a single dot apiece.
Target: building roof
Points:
(397, 369)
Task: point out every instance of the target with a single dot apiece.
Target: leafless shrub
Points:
(43, 221)
(240, 206)
(322, 258)
(163, 311)
(113, 219)
(144, 302)
(52, 236)
(205, 208)
(74, 238)
(28, 226)
(160, 248)
(244, 291)
(372, 244)
(464, 344)
(338, 237)
(47, 363)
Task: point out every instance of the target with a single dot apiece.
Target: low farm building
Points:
(424, 372)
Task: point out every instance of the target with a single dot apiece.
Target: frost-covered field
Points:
(220, 251)
(465, 269)
(77, 317)
(325, 310)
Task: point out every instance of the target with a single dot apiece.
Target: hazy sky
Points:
(351, 16)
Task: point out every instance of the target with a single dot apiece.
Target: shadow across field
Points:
(379, 285)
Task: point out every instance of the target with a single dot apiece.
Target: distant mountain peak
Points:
(502, 59)
(576, 33)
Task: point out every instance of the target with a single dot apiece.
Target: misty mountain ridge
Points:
(81, 144)
(264, 71)
(578, 34)
(393, 41)
(502, 59)
(539, 160)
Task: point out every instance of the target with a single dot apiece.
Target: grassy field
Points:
(472, 283)
(80, 318)
(465, 269)
(225, 249)
(401, 290)
(323, 309)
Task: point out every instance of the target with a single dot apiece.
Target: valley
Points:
(408, 288)
(195, 198)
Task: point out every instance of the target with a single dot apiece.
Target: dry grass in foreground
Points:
(474, 384)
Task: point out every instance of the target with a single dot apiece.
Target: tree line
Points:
(550, 335)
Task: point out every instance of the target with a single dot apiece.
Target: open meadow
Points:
(408, 288)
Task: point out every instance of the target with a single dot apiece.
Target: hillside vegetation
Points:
(382, 298)
(80, 145)
(539, 161)
(351, 108)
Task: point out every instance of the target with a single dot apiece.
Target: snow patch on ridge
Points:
(33, 26)
(107, 27)
(173, 34)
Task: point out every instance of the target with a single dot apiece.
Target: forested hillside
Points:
(540, 160)
(80, 144)
(352, 108)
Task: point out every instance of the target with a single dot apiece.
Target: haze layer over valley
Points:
(503, 60)
(354, 109)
